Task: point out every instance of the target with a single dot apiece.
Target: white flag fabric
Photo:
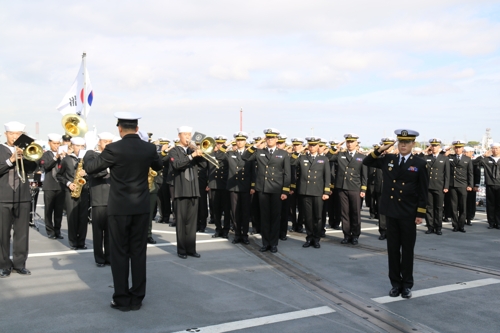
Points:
(80, 96)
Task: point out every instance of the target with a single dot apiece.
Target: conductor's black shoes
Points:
(394, 292)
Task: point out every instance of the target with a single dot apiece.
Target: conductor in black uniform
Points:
(15, 201)
(313, 187)
(53, 191)
(403, 202)
(272, 183)
(185, 159)
(128, 160)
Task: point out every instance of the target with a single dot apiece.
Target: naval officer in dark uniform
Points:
(472, 195)
(272, 183)
(491, 165)
(403, 202)
(185, 159)
(128, 161)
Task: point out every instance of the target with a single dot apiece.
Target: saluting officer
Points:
(53, 191)
(379, 180)
(272, 182)
(218, 194)
(238, 184)
(333, 201)
(285, 204)
(439, 183)
(351, 183)
(472, 195)
(461, 182)
(295, 205)
(403, 202)
(313, 187)
(491, 167)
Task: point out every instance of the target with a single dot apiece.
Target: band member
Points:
(128, 161)
(439, 183)
(491, 167)
(15, 201)
(238, 184)
(461, 182)
(164, 202)
(472, 195)
(99, 193)
(76, 205)
(403, 202)
(351, 183)
(285, 204)
(185, 159)
(313, 187)
(218, 194)
(272, 183)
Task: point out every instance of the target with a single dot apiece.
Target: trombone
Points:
(207, 145)
(33, 152)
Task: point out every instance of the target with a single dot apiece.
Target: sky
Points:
(322, 68)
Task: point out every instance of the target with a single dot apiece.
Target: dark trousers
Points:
(186, 211)
(54, 205)
(127, 244)
(171, 191)
(270, 209)
(313, 208)
(240, 209)
(100, 234)
(324, 212)
(401, 237)
(382, 221)
(493, 204)
(164, 204)
(255, 213)
(334, 209)
(14, 216)
(350, 203)
(434, 215)
(285, 209)
(77, 216)
(220, 204)
(153, 199)
(202, 210)
(35, 193)
(447, 205)
(471, 205)
(458, 197)
(293, 202)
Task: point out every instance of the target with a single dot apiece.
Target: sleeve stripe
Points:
(326, 189)
(363, 188)
(373, 154)
(286, 189)
(421, 210)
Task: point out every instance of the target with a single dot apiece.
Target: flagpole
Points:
(84, 60)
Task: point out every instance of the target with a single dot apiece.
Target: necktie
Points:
(402, 161)
(271, 151)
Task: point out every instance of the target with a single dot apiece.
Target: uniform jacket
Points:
(99, 182)
(128, 161)
(439, 172)
(491, 170)
(239, 176)
(21, 193)
(374, 180)
(67, 170)
(461, 172)
(404, 189)
(217, 177)
(273, 171)
(313, 174)
(182, 165)
(50, 166)
(352, 175)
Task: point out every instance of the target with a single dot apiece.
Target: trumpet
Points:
(33, 152)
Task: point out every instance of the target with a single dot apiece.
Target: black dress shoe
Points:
(445, 219)
(382, 237)
(274, 249)
(52, 237)
(182, 256)
(135, 307)
(439, 232)
(84, 247)
(151, 240)
(245, 241)
(113, 305)
(306, 244)
(201, 230)
(454, 230)
(461, 230)
(264, 249)
(323, 234)
(316, 245)
(59, 237)
(283, 238)
(194, 255)
(468, 222)
(224, 235)
(345, 241)
(406, 293)
(336, 228)
(236, 241)
(216, 235)
(429, 231)
(22, 271)
(173, 224)
(354, 241)
(491, 227)
(73, 248)
(99, 264)
(394, 292)
(4, 273)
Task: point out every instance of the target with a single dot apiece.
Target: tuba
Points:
(79, 181)
(74, 125)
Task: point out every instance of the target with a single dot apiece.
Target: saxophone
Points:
(79, 181)
(151, 178)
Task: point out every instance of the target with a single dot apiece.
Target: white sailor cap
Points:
(54, 137)
(351, 137)
(387, 141)
(469, 149)
(220, 138)
(281, 138)
(322, 142)
(240, 135)
(164, 139)
(143, 135)
(271, 132)
(495, 144)
(14, 126)
(313, 140)
(184, 129)
(458, 143)
(127, 118)
(435, 141)
(406, 134)
(105, 136)
(78, 141)
(297, 141)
